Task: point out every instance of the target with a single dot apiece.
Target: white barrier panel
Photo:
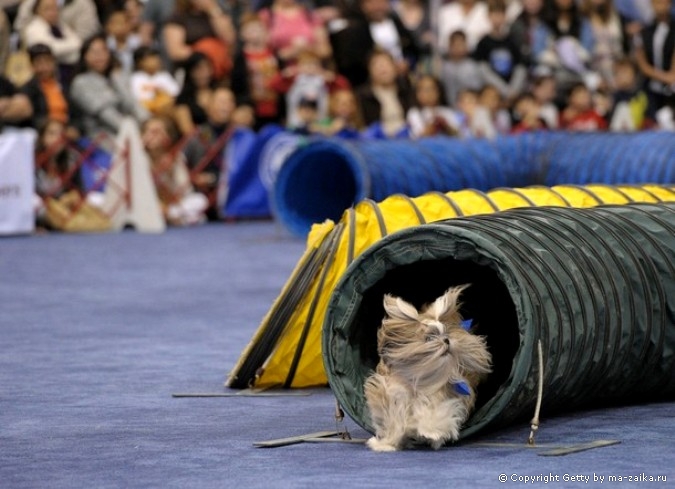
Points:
(17, 181)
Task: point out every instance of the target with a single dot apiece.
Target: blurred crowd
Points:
(191, 71)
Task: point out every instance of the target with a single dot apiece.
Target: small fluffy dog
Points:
(424, 386)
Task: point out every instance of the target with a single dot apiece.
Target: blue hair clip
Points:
(467, 323)
(462, 388)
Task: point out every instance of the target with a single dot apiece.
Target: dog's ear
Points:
(397, 308)
(446, 308)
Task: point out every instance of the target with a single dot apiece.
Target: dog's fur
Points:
(423, 355)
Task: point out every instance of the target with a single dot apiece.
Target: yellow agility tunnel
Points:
(285, 351)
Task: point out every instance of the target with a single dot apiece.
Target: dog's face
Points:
(430, 347)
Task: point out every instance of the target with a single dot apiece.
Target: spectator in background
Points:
(466, 109)
(255, 66)
(499, 57)
(608, 35)
(201, 26)
(46, 27)
(545, 92)
(569, 54)
(56, 164)
(654, 54)
(15, 107)
(492, 104)
(459, 71)
(527, 115)
(134, 10)
(530, 33)
(307, 79)
(430, 115)
(415, 16)
(193, 99)
(47, 98)
(152, 86)
(344, 116)
(205, 151)
(122, 41)
(628, 92)
(100, 94)
(376, 26)
(580, 114)
(470, 16)
(181, 205)
(386, 98)
(80, 15)
(293, 28)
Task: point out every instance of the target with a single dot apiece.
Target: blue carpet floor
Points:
(98, 331)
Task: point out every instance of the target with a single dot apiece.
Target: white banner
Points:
(17, 181)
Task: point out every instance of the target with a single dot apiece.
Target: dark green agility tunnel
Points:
(596, 286)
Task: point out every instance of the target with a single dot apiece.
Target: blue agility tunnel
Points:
(321, 179)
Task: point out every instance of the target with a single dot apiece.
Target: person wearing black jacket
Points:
(353, 38)
(655, 56)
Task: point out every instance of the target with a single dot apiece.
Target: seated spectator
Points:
(654, 54)
(56, 164)
(122, 41)
(293, 28)
(430, 114)
(470, 16)
(386, 98)
(306, 79)
(609, 44)
(377, 26)
(205, 151)
(15, 107)
(48, 100)
(545, 92)
(459, 71)
(46, 27)
(152, 86)
(80, 15)
(527, 115)
(200, 26)
(416, 16)
(496, 110)
(530, 33)
(255, 66)
(181, 205)
(629, 98)
(580, 114)
(192, 101)
(134, 10)
(344, 116)
(499, 57)
(466, 110)
(569, 54)
(100, 94)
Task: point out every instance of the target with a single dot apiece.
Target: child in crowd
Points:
(306, 79)
(630, 100)
(344, 117)
(153, 86)
(466, 108)
(181, 205)
(430, 115)
(527, 115)
(579, 114)
(255, 66)
(491, 101)
(459, 71)
(56, 168)
(121, 39)
(545, 92)
(205, 152)
(498, 56)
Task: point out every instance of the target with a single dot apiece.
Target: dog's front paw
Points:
(377, 445)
